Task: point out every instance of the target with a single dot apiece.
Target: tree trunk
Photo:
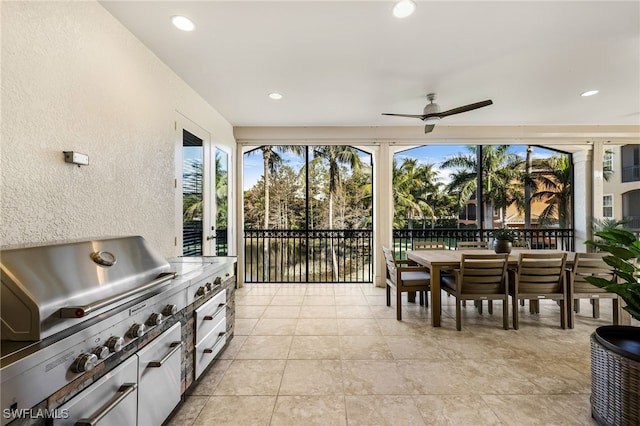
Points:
(266, 155)
(527, 191)
(334, 258)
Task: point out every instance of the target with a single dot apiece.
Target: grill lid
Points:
(47, 289)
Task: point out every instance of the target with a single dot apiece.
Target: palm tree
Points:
(555, 181)
(335, 156)
(500, 168)
(413, 185)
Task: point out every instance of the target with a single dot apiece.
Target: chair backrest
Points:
(521, 244)
(472, 245)
(483, 273)
(391, 264)
(589, 265)
(429, 245)
(541, 273)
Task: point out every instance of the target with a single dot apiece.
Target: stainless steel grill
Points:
(67, 308)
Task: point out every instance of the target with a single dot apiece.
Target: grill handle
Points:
(176, 347)
(124, 391)
(81, 311)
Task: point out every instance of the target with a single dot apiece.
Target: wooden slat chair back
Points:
(540, 276)
(404, 278)
(467, 245)
(429, 245)
(480, 277)
(587, 265)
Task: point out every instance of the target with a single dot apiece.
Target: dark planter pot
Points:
(615, 375)
(502, 246)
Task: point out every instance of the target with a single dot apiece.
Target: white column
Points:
(583, 197)
(383, 209)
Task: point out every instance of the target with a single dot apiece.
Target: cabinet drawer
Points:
(210, 314)
(207, 350)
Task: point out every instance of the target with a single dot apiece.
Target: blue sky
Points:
(433, 154)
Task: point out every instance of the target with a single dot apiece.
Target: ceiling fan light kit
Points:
(431, 113)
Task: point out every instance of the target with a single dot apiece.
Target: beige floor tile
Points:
(384, 410)
(236, 411)
(292, 290)
(244, 326)
(288, 299)
(250, 299)
(320, 290)
(374, 377)
(541, 409)
(364, 347)
(315, 347)
(275, 327)
(312, 377)
(318, 312)
(233, 347)
(358, 327)
(318, 300)
(354, 311)
(273, 311)
(187, 413)
(251, 377)
(455, 410)
(323, 410)
(317, 327)
(430, 377)
(265, 347)
(351, 300)
(210, 379)
(416, 347)
(249, 311)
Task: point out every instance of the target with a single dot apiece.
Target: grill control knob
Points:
(155, 319)
(101, 352)
(201, 291)
(209, 286)
(170, 310)
(218, 280)
(136, 330)
(115, 343)
(85, 362)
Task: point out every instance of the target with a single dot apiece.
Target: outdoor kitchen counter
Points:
(207, 276)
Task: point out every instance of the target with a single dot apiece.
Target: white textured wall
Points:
(74, 79)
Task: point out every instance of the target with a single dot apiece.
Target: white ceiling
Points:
(343, 63)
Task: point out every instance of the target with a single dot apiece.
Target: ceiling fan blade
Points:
(465, 108)
(420, 116)
(429, 128)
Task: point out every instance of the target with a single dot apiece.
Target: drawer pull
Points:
(176, 347)
(124, 391)
(221, 336)
(218, 310)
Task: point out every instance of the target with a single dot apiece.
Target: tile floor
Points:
(335, 355)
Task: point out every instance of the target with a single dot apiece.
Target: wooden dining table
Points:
(438, 260)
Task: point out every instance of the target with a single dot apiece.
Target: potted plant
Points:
(615, 350)
(503, 239)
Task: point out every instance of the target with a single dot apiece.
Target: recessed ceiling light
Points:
(589, 93)
(183, 23)
(275, 95)
(404, 8)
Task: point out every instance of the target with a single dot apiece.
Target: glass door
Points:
(204, 174)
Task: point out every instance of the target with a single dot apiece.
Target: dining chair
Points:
(590, 265)
(466, 245)
(429, 245)
(539, 276)
(404, 277)
(480, 277)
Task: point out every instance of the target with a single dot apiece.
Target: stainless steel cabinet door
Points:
(111, 401)
(159, 384)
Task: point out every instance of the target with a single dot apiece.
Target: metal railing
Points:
(319, 256)
(403, 239)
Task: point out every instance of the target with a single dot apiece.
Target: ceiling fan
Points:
(432, 114)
